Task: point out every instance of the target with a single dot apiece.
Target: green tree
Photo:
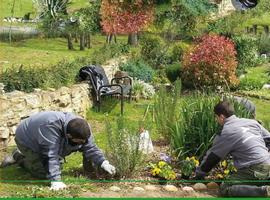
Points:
(89, 23)
(184, 16)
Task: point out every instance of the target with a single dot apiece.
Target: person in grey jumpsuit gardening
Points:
(248, 143)
(44, 139)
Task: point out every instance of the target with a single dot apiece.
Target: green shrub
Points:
(109, 51)
(160, 77)
(22, 79)
(254, 79)
(177, 53)
(252, 83)
(138, 69)
(247, 52)
(27, 78)
(173, 71)
(123, 147)
(264, 44)
(151, 51)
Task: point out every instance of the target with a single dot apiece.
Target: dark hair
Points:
(224, 108)
(78, 128)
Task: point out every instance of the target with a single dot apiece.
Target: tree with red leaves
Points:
(125, 16)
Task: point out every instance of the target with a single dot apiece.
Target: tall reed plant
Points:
(166, 107)
(122, 147)
(196, 125)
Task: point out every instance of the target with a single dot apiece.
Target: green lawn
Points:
(21, 7)
(45, 52)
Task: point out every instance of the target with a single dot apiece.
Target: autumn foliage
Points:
(212, 62)
(125, 16)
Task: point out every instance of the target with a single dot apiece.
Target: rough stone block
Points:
(4, 132)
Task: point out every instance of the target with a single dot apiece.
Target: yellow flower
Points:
(224, 163)
(187, 158)
(197, 163)
(226, 171)
(172, 176)
(220, 176)
(161, 164)
(193, 158)
(155, 171)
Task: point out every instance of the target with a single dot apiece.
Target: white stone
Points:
(4, 132)
(170, 188)
(37, 90)
(242, 76)
(64, 90)
(188, 189)
(114, 189)
(199, 186)
(13, 130)
(138, 189)
(151, 187)
(266, 86)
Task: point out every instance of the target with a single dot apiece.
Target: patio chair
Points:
(102, 87)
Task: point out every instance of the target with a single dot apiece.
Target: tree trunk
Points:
(82, 42)
(133, 39)
(69, 42)
(76, 37)
(247, 29)
(266, 29)
(88, 40)
(110, 37)
(255, 29)
(114, 35)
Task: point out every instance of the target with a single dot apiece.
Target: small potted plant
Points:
(188, 166)
(163, 171)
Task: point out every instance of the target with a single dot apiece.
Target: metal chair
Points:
(101, 85)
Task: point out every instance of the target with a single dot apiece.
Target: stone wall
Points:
(15, 106)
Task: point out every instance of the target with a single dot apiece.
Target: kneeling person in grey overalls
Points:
(44, 139)
(248, 143)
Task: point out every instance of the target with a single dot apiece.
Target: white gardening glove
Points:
(58, 185)
(108, 167)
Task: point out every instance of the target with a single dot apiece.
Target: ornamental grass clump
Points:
(193, 132)
(166, 108)
(211, 63)
(122, 147)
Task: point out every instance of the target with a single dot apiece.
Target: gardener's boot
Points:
(11, 159)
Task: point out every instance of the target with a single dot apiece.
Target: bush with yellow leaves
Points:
(162, 170)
